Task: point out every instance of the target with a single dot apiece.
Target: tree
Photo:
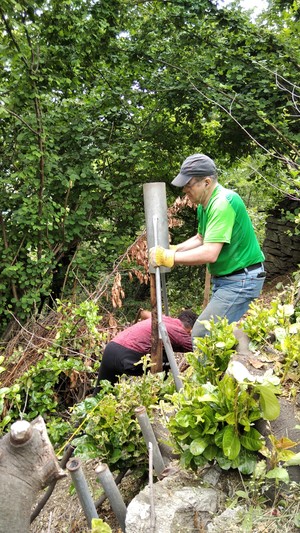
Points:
(98, 98)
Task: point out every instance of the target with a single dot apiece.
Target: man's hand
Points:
(159, 256)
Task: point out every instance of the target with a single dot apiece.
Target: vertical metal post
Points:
(157, 273)
(112, 492)
(82, 490)
(152, 511)
(149, 436)
(155, 204)
(156, 216)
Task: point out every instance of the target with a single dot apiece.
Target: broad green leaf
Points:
(6, 420)
(223, 462)
(4, 391)
(293, 461)
(245, 462)
(220, 344)
(230, 418)
(281, 474)
(285, 455)
(241, 494)
(231, 443)
(185, 458)
(198, 446)
(199, 460)
(269, 403)
(219, 437)
(252, 440)
(184, 419)
(210, 452)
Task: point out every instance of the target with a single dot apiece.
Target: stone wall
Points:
(281, 245)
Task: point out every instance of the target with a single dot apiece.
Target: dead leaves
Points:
(117, 292)
(137, 254)
(256, 363)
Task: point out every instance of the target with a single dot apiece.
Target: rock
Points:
(229, 520)
(182, 504)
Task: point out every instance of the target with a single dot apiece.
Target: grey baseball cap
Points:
(195, 166)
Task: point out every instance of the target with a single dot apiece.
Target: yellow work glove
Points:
(159, 256)
(173, 247)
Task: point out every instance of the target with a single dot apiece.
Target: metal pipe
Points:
(170, 355)
(162, 330)
(111, 490)
(157, 274)
(149, 436)
(82, 490)
(155, 204)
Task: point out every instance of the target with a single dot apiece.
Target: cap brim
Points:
(181, 180)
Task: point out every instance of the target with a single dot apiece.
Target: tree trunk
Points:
(27, 464)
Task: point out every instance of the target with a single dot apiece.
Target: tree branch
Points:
(20, 119)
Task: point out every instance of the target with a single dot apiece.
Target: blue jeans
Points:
(231, 297)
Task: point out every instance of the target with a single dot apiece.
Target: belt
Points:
(244, 270)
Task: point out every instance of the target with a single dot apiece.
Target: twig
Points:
(49, 522)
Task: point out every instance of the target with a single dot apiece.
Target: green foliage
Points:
(215, 423)
(79, 136)
(98, 526)
(281, 320)
(40, 390)
(255, 491)
(213, 352)
(111, 430)
(9, 396)
(214, 419)
(279, 456)
(185, 288)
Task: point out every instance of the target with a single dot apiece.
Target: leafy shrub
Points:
(37, 391)
(280, 321)
(214, 419)
(212, 352)
(111, 430)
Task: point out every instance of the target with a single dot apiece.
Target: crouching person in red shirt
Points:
(129, 346)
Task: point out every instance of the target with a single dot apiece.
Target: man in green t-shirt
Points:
(225, 241)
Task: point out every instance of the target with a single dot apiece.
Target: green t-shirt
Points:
(226, 220)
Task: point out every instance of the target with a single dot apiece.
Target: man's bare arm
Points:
(191, 243)
(205, 253)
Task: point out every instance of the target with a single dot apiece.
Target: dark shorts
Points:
(118, 360)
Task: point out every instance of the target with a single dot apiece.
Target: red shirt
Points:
(138, 336)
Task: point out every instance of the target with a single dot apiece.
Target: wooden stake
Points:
(156, 342)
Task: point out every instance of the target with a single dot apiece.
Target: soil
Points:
(63, 513)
